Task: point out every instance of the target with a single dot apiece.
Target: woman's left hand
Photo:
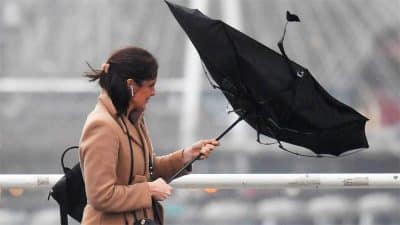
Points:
(203, 147)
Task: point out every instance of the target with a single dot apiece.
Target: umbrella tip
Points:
(292, 17)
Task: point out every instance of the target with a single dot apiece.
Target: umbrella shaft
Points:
(199, 155)
(230, 127)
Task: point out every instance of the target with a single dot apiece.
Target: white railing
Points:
(239, 181)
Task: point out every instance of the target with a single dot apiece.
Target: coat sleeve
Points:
(166, 166)
(99, 154)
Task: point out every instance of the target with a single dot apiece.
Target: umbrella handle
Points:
(199, 155)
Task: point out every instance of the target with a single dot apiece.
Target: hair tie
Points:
(105, 67)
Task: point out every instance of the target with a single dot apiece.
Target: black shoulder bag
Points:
(69, 191)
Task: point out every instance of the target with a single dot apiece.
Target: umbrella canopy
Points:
(276, 96)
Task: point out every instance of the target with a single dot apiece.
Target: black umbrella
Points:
(276, 96)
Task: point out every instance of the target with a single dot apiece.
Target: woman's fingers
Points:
(206, 150)
(159, 189)
(203, 147)
(210, 141)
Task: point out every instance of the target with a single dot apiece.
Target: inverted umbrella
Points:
(276, 96)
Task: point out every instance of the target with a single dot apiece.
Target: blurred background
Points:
(352, 47)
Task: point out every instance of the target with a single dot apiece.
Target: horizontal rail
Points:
(239, 181)
(304, 181)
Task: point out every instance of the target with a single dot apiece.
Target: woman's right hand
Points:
(159, 189)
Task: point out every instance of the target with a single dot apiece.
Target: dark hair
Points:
(126, 63)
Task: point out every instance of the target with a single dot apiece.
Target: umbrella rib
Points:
(207, 76)
(273, 134)
(278, 141)
(212, 84)
(236, 56)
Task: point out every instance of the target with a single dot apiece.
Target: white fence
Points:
(239, 181)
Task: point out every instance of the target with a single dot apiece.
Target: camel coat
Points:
(105, 162)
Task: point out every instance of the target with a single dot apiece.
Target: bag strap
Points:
(63, 215)
(132, 163)
(131, 148)
(64, 208)
(65, 169)
(132, 168)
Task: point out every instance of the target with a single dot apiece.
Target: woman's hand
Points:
(159, 189)
(203, 147)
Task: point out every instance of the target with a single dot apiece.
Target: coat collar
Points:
(137, 131)
(134, 129)
(107, 103)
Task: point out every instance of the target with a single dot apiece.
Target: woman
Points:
(118, 184)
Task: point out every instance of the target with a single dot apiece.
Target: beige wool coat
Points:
(105, 162)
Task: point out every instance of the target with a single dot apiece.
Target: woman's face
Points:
(142, 93)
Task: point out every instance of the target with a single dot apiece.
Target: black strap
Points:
(130, 146)
(132, 164)
(63, 215)
(132, 169)
(64, 208)
(63, 155)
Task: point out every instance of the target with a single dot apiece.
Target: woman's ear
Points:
(131, 84)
